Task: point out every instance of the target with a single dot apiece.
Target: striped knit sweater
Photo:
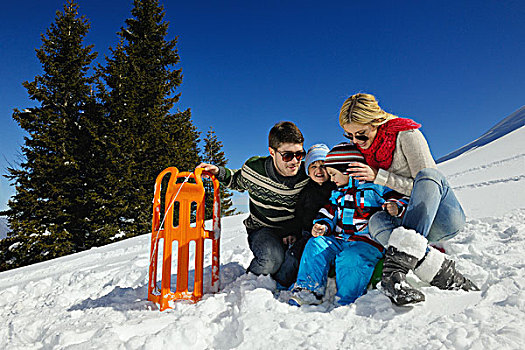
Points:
(273, 197)
(350, 207)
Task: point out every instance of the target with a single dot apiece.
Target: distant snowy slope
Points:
(512, 122)
(490, 180)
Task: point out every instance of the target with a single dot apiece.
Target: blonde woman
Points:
(398, 156)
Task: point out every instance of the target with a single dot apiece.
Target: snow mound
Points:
(98, 300)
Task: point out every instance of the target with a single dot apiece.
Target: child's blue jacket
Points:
(350, 207)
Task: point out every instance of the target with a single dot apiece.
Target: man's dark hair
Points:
(284, 132)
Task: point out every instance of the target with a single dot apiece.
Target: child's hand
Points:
(318, 230)
(392, 208)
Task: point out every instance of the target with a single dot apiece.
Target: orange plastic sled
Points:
(187, 230)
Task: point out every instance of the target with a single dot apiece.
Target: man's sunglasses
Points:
(357, 137)
(288, 156)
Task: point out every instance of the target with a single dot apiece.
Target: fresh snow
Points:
(97, 299)
(490, 180)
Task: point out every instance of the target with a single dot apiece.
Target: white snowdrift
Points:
(97, 299)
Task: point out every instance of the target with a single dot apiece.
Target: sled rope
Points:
(164, 218)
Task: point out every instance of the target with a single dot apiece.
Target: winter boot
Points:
(406, 248)
(441, 272)
(302, 296)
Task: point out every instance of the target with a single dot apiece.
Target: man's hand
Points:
(289, 240)
(213, 169)
(392, 208)
(318, 230)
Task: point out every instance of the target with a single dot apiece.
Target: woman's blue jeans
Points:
(433, 211)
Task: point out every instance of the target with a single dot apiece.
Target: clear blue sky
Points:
(454, 66)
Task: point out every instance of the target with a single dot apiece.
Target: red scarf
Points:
(381, 151)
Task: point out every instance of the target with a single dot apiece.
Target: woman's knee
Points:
(430, 174)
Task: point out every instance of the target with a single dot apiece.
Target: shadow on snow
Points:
(128, 298)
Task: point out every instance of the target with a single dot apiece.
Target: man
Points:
(273, 184)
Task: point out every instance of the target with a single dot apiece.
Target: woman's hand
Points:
(213, 169)
(318, 230)
(362, 172)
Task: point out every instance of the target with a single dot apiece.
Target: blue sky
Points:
(454, 66)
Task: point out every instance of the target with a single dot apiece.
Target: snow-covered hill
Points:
(514, 121)
(490, 180)
(97, 299)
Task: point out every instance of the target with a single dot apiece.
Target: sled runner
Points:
(185, 201)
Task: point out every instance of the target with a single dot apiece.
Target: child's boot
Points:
(302, 296)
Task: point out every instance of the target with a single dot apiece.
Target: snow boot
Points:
(302, 296)
(406, 248)
(441, 272)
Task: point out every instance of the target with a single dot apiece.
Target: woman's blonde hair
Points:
(363, 109)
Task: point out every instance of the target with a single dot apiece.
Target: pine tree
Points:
(213, 154)
(49, 213)
(144, 137)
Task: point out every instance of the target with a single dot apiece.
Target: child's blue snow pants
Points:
(354, 264)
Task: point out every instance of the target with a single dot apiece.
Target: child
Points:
(341, 233)
(313, 196)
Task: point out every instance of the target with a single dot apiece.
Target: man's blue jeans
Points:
(433, 211)
(272, 257)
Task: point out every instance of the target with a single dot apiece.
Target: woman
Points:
(398, 157)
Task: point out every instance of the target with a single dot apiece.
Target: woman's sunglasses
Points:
(288, 156)
(357, 137)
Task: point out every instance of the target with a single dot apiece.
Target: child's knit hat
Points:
(315, 153)
(341, 155)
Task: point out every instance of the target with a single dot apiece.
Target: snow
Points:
(408, 241)
(97, 299)
(490, 180)
(514, 121)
